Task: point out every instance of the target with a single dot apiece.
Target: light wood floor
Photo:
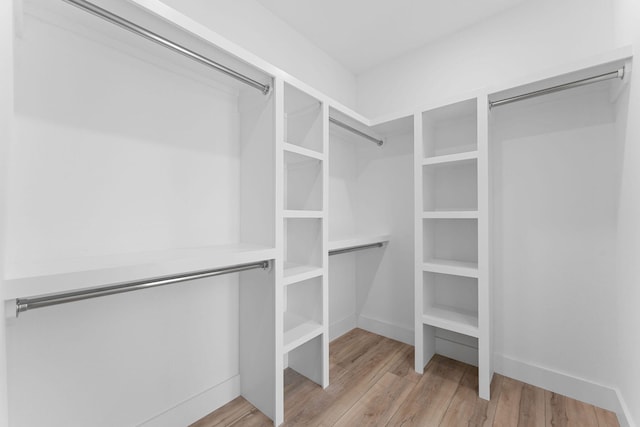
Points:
(373, 384)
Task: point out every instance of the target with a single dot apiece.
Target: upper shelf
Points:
(78, 273)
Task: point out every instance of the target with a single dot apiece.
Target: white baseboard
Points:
(341, 327)
(457, 351)
(395, 332)
(559, 382)
(191, 410)
(624, 415)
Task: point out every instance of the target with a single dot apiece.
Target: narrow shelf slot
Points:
(299, 330)
(451, 319)
(294, 273)
(456, 268)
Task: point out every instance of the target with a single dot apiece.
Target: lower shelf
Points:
(294, 273)
(299, 330)
(456, 268)
(451, 319)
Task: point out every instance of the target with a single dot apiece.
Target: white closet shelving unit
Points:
(302, 213)
(131, 162)
(451, 220)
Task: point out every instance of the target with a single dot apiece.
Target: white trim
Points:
(624, 414)
(198, 406)
(558, 382)
(389, 330)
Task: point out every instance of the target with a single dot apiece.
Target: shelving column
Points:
(451, 222)
(303, 245)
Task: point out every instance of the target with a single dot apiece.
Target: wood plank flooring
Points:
(373, 384)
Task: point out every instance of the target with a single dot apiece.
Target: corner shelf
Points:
(299, 330)
(451, 319)
(455, 268)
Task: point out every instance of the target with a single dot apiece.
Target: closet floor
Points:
(373, 384)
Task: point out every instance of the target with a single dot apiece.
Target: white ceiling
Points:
(363, 33)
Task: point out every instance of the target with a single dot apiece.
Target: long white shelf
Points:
(355, 241)
(450, 158)
(61, 275)
(302, 214)
(297, 149)
(451, 319)
(294, 273)
(457, 268)
(450, 214)
(298, 330)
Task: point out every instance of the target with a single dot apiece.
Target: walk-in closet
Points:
(285, 213)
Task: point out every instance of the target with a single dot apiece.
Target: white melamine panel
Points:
(6, 125)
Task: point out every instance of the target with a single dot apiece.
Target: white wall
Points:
(255, 28)
(555, 173)
(6, 113)
(533, 36)
(628, 316)
(148, 160)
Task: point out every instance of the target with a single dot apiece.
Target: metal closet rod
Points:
(149, 35)
(25, 304)
(356, 131)
(618, 74)
(355, 248)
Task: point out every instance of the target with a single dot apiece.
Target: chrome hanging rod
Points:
(25, 304)
(618, 74)
(356, 131)
(355, 248)
(149, 35)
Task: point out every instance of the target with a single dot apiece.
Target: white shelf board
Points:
(456, 268)
(302, 214)
(450, 214)
(451, 319)
(294, 273)
(298, 330)
(63, 275)
(297, 149)
(450, 158)
(354, 241)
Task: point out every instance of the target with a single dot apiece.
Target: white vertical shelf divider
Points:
(302, 136)
(451, 177)
(278, 93)
(485, 347)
